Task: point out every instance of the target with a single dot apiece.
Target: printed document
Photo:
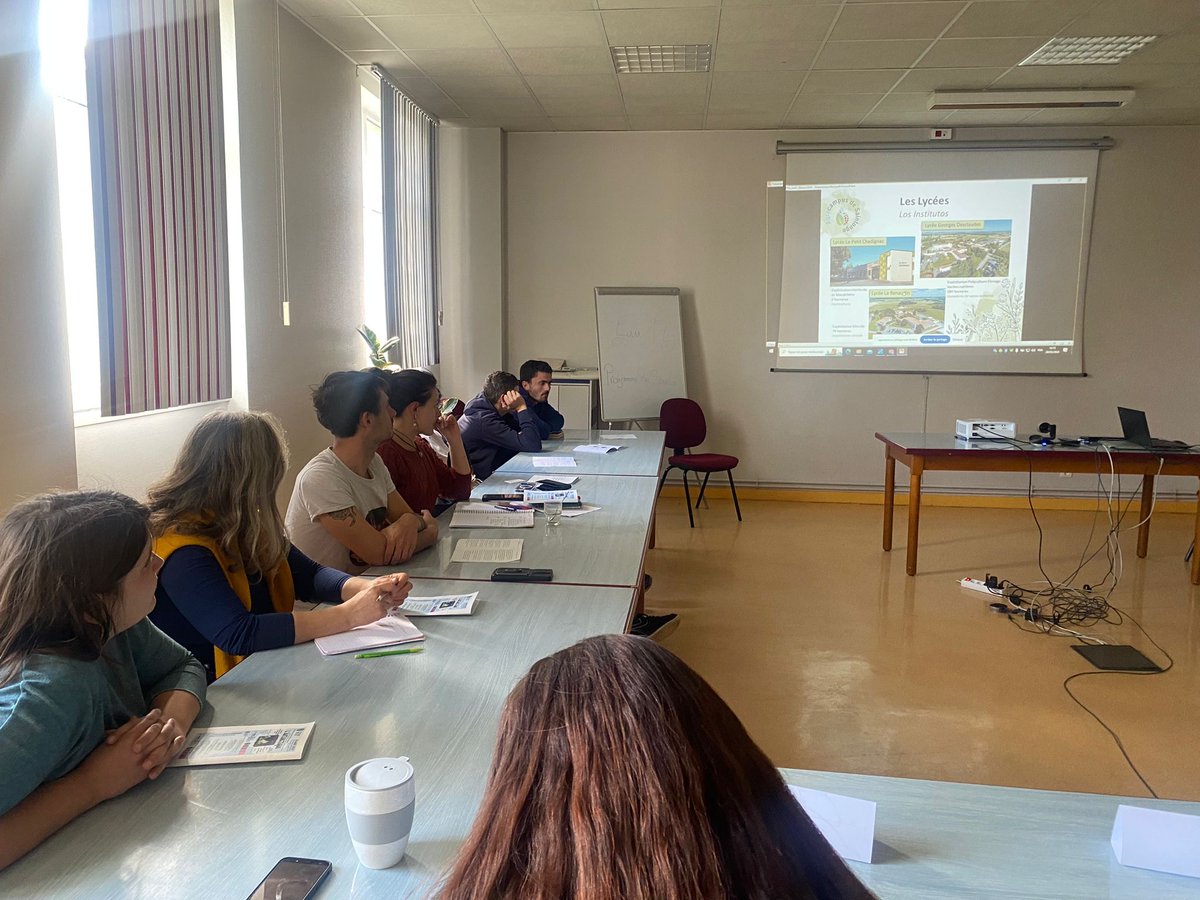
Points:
(485, 550)
(447, 605)
(554, 462)
(484, 515)
(243, 743)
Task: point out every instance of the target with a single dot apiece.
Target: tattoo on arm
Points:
(347, 515)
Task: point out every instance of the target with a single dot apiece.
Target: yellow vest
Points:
(279, 582)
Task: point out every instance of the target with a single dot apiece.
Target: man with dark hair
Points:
(497, 425)
(345, 512)
(536, 378)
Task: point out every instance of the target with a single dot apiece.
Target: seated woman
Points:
(418, 472)
(619, 774)
(230, 578)
(93, 698)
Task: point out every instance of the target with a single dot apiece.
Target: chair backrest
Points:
(683, 421)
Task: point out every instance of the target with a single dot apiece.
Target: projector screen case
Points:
(949, 262)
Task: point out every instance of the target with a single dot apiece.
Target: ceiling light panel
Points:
(1086, 51)
(666, 58)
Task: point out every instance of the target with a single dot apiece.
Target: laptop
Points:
(1137, 431)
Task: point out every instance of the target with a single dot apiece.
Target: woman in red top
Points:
(419, 473)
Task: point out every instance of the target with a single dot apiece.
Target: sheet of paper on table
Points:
(554, 462)
(484, 515)
(243, 743)
(597, 448)
(848, 823)
(446, 605)
(487, 550)
(1157, 839)
(618, 436)
(582, 511)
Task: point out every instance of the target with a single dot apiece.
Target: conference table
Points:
(640, 455)
(945, 453)
(936, 839)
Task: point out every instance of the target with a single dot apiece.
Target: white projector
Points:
(985, 429)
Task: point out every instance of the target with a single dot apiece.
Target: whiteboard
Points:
(640, 338)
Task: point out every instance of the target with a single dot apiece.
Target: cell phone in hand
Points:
(292, 878)
(520, 573)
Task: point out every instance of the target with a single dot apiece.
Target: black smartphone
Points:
(546, 484)
(293, 878)
(519, 573)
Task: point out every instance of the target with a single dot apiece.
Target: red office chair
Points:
(683, 421)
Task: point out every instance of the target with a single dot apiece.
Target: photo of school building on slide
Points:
(883, 261)
(948, 251)
(922, 311)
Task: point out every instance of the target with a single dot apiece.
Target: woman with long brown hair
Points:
(619, 774)
(230, 576)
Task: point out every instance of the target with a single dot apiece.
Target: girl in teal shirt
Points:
(93, 698)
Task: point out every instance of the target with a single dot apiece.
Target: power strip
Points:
(974, 584)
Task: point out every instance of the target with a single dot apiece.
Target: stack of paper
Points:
(484, 515)
(387, 632)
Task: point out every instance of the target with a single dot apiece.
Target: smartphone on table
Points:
(293, 878)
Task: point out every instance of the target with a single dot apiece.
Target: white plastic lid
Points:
(380, 774)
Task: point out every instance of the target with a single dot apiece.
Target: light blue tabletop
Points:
(641, 455)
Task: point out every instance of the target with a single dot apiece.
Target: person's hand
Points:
(430, 523)
(401, 538)
(113, 768)
(372, 603)
(156, 741)
(393, 588)
(513, 401)
(447, 427)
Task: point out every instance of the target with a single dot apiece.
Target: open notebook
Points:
(387, 632)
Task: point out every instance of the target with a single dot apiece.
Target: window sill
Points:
(88, 418)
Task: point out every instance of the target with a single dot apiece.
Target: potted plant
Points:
(378, 351)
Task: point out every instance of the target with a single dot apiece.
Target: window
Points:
(374, 294)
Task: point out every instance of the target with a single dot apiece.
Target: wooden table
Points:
(641, 456)
(938, 840)
(946, 453)
(215, 831)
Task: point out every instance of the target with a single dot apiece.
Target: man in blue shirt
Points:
(536, 378)
(497, 425)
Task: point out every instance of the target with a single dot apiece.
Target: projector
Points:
(984, 430)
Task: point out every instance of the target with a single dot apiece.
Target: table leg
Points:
(1196, 545)
(1147, 505)
(889, 496)
(914, 515)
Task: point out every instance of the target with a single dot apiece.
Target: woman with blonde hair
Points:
(230, 577)
(619, 774)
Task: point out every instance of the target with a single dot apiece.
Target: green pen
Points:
(387, 653)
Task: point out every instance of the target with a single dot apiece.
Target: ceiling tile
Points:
(641, 4)
(1016, 18)
(393, 60)
(465, 87)
(573, 85)
(320, 7)
(949, 79)
(1179, 48)
(960, 52)
(553, 29)
(421, 89)
(562, 60)
(628, 27)
(1137, 17)
(499, 106)
(776, 24)
(666, 123)
(796, 56)
(442, 108)
(583, 106)
(892, 117)
(905, 101)
(755, 82)
(351, 33)
(590, 123)
(436, 32)
(415, 7)
(740, 123)
(521, 6)
(875, 21)
(773, 105)
(1131, 116)
(651, 100)
(1123, 75)
(526, 123)
(673, 84)
(800, 118)
(870, 54)
(852, 81)
(484, 61)
(843, 104)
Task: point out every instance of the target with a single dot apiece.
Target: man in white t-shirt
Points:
(345, 512)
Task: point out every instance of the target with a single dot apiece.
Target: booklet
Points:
(447, 605)
(598, 448)
(243, 743)
(387, 632)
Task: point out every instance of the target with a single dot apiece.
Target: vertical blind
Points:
(409, 223)
(154, 105)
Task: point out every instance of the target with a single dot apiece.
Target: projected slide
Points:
(967, 272)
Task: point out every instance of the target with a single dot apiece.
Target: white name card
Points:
(846, 822)
(1156, 839)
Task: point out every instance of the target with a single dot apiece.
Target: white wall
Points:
(35, 380)
(470, 237)
(686, 209)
